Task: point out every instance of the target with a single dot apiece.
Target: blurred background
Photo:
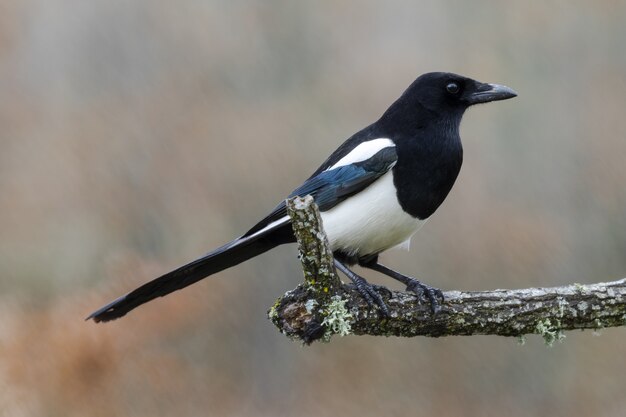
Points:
(135, 136)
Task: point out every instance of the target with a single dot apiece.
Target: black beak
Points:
(490, 92)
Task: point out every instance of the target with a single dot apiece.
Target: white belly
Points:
(369, 222)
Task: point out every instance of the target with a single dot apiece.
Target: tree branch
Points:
(322, 306)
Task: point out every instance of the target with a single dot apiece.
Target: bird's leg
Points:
(413, 285)
(368, 291)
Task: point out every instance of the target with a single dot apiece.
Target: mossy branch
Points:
(323, 306)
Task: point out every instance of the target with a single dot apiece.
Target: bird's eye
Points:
(453, 88)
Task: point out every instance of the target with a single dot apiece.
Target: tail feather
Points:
(231, 254)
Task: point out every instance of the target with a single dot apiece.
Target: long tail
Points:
(231, 254)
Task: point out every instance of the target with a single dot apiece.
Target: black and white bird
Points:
(374, 192)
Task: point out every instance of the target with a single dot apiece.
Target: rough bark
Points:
(322, 306)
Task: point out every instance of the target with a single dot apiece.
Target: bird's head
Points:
(444, 90)
(444, 94)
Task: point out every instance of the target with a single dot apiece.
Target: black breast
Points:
(428, 165)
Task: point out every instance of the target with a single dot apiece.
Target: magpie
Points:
(374, 192)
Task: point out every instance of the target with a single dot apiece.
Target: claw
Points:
(415, 287)
(371, 295)
(382, 289)
(368, 291)
(425, 291)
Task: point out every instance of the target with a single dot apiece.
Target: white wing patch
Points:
(362, 152)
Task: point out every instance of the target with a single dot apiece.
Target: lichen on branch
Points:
(311, 311)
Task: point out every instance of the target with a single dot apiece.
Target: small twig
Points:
(322, 306)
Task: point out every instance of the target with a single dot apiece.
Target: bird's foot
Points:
(371, 293)
(426, 292)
